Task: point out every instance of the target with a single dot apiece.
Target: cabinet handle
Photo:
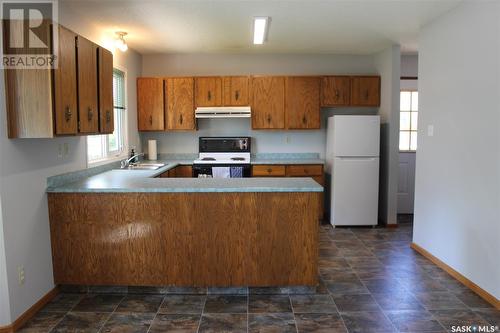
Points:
(237, 94)
(180, 119)
(67, 114)
(367, 94)
(151, 120)
(209, 95)
(337, 94)
(304, 120)
(90, 114)
(268, 118)
(108, 116)
(269, 170)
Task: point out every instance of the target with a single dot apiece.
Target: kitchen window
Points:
(408, 120)
(102, 148)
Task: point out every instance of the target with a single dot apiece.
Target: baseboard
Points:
(462, 279)
(23, 319)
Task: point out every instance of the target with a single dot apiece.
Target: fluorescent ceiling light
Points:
(260, 26)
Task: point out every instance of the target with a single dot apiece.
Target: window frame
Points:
(114, 155)
(410, 131)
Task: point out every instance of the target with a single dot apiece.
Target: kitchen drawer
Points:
(268, 171)
(304, 170)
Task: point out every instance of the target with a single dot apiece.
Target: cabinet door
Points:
(335, 91)
(208, 91)
(106, 114)
(302, 102)
(87, 85)
(66, 117)
(180, 103)
(150, 110)
(236, 91)
(184, 171)
(268, 102)
(365, 91)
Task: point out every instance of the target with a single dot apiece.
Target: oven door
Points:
(205, 170)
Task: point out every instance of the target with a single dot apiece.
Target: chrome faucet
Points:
(125, 163)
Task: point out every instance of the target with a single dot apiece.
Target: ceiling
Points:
(225, 26)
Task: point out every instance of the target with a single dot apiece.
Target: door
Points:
(88, 116)
(66, 117)
(150, 109)
(406, 183)
(336, 91)
(354, 199)
(236, 91)
(302, 102)
(365, 91)
(268, 102)
(180, 103)
(208, 91)
(355, 136)
(106, 114)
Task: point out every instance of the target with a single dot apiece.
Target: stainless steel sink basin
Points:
(145, 166)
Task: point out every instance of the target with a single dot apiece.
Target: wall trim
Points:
(28, 314)
(456, 275)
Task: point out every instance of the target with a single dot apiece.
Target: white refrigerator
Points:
(352, 162)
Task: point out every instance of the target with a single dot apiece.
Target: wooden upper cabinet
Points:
(236, 91)
(150, 109)
(87, 85)
(302, 102)
(335, 91)
(365, 91)
(268, 102)
(65, 76)
(208, 91)
(179, 94)
(106, 114)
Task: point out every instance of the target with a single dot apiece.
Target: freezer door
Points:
(354, 199)
(356, 136)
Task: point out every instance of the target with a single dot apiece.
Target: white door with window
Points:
(407, 150)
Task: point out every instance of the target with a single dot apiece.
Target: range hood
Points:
(223, 112)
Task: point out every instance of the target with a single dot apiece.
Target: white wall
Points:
(457, 204)
(388, 63)
(235, 64)
(24, 167)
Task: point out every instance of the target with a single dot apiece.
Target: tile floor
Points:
(371, 281)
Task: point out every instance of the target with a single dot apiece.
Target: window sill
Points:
(102, 161)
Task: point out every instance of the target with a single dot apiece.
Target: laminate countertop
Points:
(118, 181)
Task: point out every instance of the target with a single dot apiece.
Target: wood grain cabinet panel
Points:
(268, 102)
(304, 170)
(65, 84)
(236, 90)
(150, 104)
(365, 91)
(208, 91)
(302, 102)
(179, 93)
(184, 239)
(88, 116)
(106, 112)
(268, 171)
(335, 91)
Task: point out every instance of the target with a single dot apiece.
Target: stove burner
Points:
(237, 158)
(208, 159)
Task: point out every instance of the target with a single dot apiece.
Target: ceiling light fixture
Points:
(260, 29)
(120, 41)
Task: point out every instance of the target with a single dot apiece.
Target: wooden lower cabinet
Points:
(315, 171)
(181, 171)
(184, 239)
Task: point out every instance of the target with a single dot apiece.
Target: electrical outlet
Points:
(20, 272)
(430, 130)
(60, 151)
(288, 139)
